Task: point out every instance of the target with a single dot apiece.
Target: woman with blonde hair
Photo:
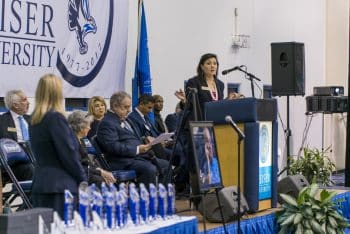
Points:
(55, 147)
(97, 108)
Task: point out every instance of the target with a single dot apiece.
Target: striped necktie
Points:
(24, 128)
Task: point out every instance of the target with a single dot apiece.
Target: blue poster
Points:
(265, 160)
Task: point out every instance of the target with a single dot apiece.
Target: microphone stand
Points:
(251, 78)
(192, 94)
(241, 137)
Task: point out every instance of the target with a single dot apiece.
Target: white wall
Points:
(181, 31)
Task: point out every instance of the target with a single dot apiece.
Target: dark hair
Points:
(145, 99)
(204, 58)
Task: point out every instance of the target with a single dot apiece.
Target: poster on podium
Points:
(265, 160)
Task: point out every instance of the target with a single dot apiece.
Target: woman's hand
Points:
(108, 177)
(234, 95)
(180, 94)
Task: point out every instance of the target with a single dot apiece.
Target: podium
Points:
(257, 118)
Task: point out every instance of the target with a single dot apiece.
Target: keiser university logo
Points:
(90, 36)
(73, 35)
(89, 25)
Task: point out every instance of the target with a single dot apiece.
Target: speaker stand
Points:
(289, 134)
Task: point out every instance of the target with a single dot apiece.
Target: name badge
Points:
(9, 129)
(205, 88)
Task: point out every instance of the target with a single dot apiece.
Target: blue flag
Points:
(142, 82)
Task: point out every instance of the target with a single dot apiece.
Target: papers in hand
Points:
(162, 137)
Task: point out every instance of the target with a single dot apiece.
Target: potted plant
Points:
(308, 214)
(314, 164)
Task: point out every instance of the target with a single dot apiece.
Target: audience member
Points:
(158, 107)
(122, 144)
(140, 117)
(80, 122)
(55, 147)
(14, 125)
(97, 108)
(171, 120)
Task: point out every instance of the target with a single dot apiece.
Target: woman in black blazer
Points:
(55, 147)
(209, 88)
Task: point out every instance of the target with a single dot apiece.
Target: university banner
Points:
(82, 41)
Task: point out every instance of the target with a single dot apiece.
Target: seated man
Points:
(122, 143)
(140, 117)
(158, 107)
(14, 125)
(144, 125)
(172, 119)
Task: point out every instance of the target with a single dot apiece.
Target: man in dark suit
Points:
(158, 107)
(144, 125)
(14, 124)
(122, 143)
(140, 117)
(172, 119)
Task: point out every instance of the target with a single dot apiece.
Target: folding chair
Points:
(94, 149)
(11, 153)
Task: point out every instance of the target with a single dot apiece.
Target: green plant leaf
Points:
(316, 226)
(330, 230)
(297, 219)
(300, 229)
(313, 190)
(332, 222)
(288, 220)
(289, 199)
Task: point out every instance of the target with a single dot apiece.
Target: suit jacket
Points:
(158, 123)
(117, 143)
(57, 154)
(203, 94)
(171, 121)
(7, 126)
(145, 129)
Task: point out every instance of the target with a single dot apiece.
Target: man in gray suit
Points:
(122, 144)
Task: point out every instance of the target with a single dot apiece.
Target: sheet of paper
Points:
(162, 137)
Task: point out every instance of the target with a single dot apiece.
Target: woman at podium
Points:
(202, 88)
(206, 85)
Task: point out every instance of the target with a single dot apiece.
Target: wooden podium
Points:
(257, 118)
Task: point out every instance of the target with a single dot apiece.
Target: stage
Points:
(260, 222)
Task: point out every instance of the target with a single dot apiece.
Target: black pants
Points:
(52, 200)
(147, 171)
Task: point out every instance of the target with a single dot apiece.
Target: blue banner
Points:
(142, 79)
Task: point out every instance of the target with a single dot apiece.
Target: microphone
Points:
(229, 120)
(224, 72)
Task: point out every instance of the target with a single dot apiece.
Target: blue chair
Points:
(11, 153)
(94, 149)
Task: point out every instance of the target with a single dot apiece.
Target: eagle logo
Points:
(81, 25)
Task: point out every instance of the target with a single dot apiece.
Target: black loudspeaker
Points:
(228, 200)
(291, 185)
(288, 69)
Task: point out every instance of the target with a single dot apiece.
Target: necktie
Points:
(128, 127)
(24, 128)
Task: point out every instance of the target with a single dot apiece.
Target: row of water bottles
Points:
(117, 208)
